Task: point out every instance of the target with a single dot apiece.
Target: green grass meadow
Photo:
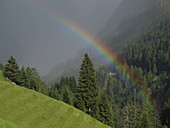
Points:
(24, 108)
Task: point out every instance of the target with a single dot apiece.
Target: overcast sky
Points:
(37, 39)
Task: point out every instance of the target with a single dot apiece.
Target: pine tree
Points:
(72, 84)
(145, 122)
(53, 92)
(23, 77)
(12, 71)
(131, 116)
(63, 82)
(67, 96)
(87, 91)
(149, 116)
(105, 111)
(57, 85)
(34, 81)
(145, 117)
(78, 100)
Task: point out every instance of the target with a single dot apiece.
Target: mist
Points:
(38, 40)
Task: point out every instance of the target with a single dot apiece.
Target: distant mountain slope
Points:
(126, 9)
(153, 48)
(151, 55)
(131, 19)
(71, 66)
(29, 109)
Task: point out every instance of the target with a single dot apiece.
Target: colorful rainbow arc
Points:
(122, 70)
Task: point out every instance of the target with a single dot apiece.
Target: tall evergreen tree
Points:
(24, 77)
(12, 71)
(33, 78)
(149, 116)
(105, 111)
(131, 117)
(72, 84)
(67, 98)
(53, 92)
(87, 91)
(63, 82)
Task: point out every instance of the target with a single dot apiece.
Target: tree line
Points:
(85, 96)
(107, 104)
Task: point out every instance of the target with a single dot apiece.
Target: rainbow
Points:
(123, 70)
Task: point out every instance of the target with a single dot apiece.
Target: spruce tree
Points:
(12, 71)
(23, 77)
(146, 122)
(72, 84)
(53, 92)
(87, 91)
(131, 116)
(33, 80)
(105, 111)
(67, 96)
(149, 116)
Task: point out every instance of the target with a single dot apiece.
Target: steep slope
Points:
(7, 124)
(150, 55)
(131, 19)
(29, 109)
(126, 9)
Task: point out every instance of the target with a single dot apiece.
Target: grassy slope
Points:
(29, 109)
(7, 124)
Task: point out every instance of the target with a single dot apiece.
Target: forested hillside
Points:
(132, 19)
(150, 54)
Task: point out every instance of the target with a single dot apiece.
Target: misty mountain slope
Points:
(72, 65)
(30, 109)
(126, 8)
(132, 19)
